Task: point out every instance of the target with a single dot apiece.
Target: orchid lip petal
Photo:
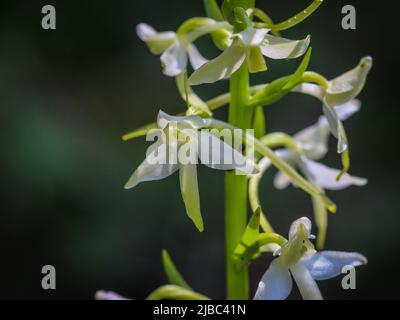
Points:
(190, 193)
(308, 287)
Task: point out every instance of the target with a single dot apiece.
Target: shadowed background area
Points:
(67, 96)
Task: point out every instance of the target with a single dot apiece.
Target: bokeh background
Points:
(67, 96)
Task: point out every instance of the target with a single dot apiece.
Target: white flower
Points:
(176, 50)
(340, 90)
(248, 46)
(299, 259)
(180, 150)
(312, 143)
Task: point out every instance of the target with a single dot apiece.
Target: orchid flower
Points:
(299, 259)
(312, 144)
(179, 149)
(248, 46)
(177, 48)
(337, 92)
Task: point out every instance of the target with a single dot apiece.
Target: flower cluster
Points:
(248, 39)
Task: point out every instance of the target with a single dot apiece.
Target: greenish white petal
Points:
(151, 170)
(336, 126)
(276, 283)
(157, 42)
(280, 48)
(348, 86)
(190, 193)
(174, 60)
(221, 67)
(251, 37)
(329, 264)
(195, 57)
(217, 154)
(326, 177)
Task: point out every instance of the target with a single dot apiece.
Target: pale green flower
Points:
(312, 144)
(182, 148)
(176, 50)
(338, 92)
(249, 46)
(299, 259)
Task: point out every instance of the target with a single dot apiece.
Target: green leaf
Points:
(297, 76)
(277, 89)
(248, 248)
(171, 292)
(173, 275)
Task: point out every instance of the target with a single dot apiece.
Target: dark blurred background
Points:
(67, 96)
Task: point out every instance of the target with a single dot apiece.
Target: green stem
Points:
(236, 190)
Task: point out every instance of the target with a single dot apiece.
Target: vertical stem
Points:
(236, 190)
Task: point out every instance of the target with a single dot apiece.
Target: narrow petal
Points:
(347, 86)
(109, 296)
(276, 283)
(195, 57)
(174, 60)
(326, 177)
(329, 264)
(217, 154)
(190, 193)
(280, 48)
(221, 67)
(336, 126)
(151, 170)
(157, 42)
(308, 287)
